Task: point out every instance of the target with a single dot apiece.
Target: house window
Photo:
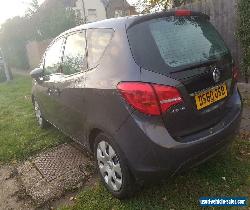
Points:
(118, 13)
(92, 15)
(127, 13)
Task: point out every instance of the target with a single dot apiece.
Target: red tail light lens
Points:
(149, 98)
(168, 96)
(236, 73)
(141, 96)
(182, 13)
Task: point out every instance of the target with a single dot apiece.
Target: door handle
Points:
(57, 92)
(54, 91)
(50, 91)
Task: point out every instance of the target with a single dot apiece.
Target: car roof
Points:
(107, 23)
(129, 21)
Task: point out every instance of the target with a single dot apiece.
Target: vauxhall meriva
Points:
(147, 95)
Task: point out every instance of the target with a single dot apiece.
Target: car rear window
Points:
(171, 43)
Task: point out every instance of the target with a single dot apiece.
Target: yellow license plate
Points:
(210, 96)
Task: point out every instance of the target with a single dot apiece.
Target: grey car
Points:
(148, 95)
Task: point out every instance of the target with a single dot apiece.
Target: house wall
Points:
(122, 5)
(91, 5)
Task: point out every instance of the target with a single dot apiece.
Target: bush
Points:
(244, 34)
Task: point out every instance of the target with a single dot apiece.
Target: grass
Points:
(227, 174)
(183, 191)
(20, 136)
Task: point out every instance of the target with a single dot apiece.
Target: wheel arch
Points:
(92, 135)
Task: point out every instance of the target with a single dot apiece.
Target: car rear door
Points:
(69, 100)
(97, 84)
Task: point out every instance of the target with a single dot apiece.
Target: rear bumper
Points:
(150, 150)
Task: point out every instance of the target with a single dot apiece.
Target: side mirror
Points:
(36, 73)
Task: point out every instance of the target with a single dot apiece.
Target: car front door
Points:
(46, 91)
(70, 86)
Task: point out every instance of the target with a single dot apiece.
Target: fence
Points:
(223, 15)
(35, 52)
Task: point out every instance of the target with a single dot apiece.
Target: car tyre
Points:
(112, 167)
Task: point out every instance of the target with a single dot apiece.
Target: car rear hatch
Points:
(186, 47)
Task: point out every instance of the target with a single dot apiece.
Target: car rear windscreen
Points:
(168, 44)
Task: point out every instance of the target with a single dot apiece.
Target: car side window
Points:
(53, 57)
(74, 58)
(97, 41)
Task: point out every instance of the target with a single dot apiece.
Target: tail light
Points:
(167, 96)
(236, 73)
(149, 98)
(182, 13)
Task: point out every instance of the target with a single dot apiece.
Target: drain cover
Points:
(58, 162)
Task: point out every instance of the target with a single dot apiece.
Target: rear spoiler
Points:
(177, 13)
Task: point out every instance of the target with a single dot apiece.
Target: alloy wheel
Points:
(38, 113)
(109, 165)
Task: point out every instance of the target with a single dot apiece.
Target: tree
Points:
(33, 7)
(39, 23)
(53, 19)
(13, 36)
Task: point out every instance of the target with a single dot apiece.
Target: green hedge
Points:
(244, 34)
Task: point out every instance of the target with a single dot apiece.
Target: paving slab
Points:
(50, 174)
(10, 191)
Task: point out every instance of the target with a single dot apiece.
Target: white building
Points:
(90, 10)
(94, 10)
